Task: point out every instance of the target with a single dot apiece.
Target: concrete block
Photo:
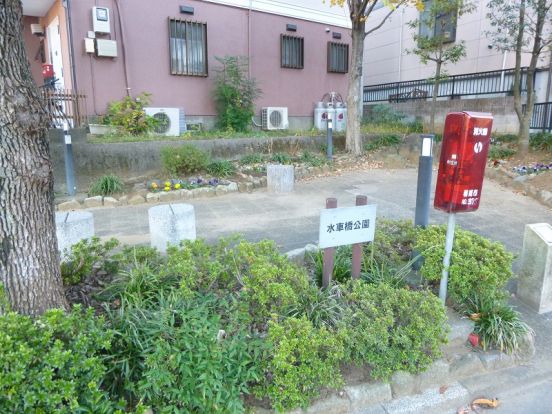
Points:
(170, 224)
(367, 394)
(72, 227)
(280, 178)
(197, 192)
(465, 365)
(434, 400)
(96, 201)
(110, 202)
(123, 201)
(403, 383)
(436, 375)
(209, 191)
(152, 197)
(232, 187)
(460, 328)
(494, 360)
(69, 205)
(221, 189)
(167, 196)
(535, 276)
(185, 194)
(330, 405)
(136, 199)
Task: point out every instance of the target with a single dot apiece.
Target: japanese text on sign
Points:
(347, 225)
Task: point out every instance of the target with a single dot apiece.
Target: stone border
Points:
(408, 393)
(519, 183)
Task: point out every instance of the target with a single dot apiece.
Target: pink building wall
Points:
(32, 45)
(147, 56)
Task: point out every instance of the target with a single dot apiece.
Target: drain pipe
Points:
(123, 49)
(67, 5)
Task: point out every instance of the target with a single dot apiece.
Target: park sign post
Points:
(466, 141)
(344, 226)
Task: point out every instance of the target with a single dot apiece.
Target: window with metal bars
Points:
(292, 51)
(338, 57)
(188, 47)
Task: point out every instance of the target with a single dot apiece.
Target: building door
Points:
(54, 49)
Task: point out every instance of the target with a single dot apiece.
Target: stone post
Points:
(72, 227)
(535, 278)
(170, 224)
(280, 178)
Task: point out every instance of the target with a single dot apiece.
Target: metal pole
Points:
(446, 260)
(361, 200)
(329, 141)
(68, 156)
(425, 170)
(328, 260)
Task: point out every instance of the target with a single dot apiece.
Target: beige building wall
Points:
(385, 51)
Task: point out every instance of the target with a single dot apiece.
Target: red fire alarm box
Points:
(464, 151)
(47, 71)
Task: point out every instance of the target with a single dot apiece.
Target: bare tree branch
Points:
(384, 19)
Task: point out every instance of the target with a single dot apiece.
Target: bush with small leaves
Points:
(186, 159)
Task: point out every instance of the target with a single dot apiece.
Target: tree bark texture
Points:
(353, 142)
(434, 96)
(29, 262)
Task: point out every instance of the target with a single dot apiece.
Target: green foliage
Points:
(302, 360)
(499, 325)
(139, 255)
(106, 185)
(479, 267)
(129, 114)
(383, 273)
(497, 152)
(393, 242)
(185, 159)
(506, 138)
(234, 93)
(342, 264)
(541, 141)
(53, 364)
(79, 261)
(182, 355)
(311, 159)
(322, 307)
(223, 168)
(385, 114)
(4, 302)
(391, 329)
(383, 141)
(280, 158)
(252, 159)
(384, 119)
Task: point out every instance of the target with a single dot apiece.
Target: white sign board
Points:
(347, 225)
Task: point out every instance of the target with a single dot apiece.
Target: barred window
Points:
(292, 51)
(442, 25)
(188, 47)
(338, 57)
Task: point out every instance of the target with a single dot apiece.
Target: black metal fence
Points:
(481, 83)
(542, 116)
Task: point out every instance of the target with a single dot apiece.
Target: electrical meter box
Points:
(100, 20)
(466, 141)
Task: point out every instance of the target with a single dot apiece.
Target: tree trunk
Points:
(353, 141)
(434, 97)
(29, 263)
(517, 74)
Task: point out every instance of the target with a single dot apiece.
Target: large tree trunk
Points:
(354, 95)
(29, 264)
(434, 96)
(518, 104)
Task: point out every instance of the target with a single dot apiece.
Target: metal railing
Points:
(481, 83)
(542, 116)
(65, 106)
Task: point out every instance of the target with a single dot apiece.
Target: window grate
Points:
(338, 57)
(188, 47)
(292, 51)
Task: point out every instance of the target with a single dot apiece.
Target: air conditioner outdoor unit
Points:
(274, 118)
(170, 121)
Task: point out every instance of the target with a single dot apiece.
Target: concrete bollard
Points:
(280, 178)
(72, 227)
(170, 224)
(535, 279)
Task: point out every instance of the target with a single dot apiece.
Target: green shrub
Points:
(322, 307)
(302, 360)
(391, 329)
(378, 273)
(139, 255)
(281, 158)
(478, 266)
(186, 159)
(385, 114)
(182, 355)
(541, 141)
(129, 114)
(235, 94)
(83, 256)
(53, 364)
(498, 152)
(342, 264)
(252, 159)
(222, 168)
(506, 138)
(106, 185)
(393, 242)
(500, 327)
(383, 141)
(311, 159)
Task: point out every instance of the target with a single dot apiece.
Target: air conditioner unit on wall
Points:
(171, 121)
(274, 118)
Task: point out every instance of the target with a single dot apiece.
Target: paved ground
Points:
(292, 220)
